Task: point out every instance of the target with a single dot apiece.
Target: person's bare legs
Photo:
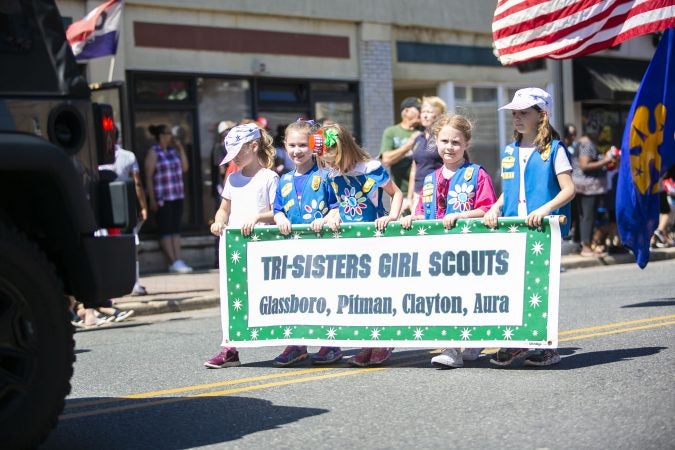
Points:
(175, 245)
(166, 243)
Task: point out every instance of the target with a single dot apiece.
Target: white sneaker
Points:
(139, 290)
(451, 357)
(471, 354)
(179, 266)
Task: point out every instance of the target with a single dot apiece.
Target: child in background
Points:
(358, 181)
(304, 195)
(457, 190)
(536, 182)
(248, 196)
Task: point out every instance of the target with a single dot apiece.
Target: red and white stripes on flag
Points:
(529, 29)
(96, 35)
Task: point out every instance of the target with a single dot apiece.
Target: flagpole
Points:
(111, 68)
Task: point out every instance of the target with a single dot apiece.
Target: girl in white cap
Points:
(248, 197)
(536, 182)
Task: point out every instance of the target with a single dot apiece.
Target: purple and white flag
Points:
(96, 35)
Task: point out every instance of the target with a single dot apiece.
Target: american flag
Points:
(529, 29)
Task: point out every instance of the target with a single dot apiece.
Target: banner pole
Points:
(111, 68)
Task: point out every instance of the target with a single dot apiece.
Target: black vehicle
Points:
(52, 202)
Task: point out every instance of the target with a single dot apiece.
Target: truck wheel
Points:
(36, 342)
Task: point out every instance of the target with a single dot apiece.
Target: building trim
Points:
(237, 40)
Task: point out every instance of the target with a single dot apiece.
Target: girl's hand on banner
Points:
(490, 218)
(450, 220)
(381, 222)
(284, 226)
(217, 228)
(406, 221)
(247, 227)
(318, 224)
(333, 223)
(536, 217)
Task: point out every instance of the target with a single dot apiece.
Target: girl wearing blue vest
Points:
(358, 181)
(456, 190)
(304, 195)
(536, 182)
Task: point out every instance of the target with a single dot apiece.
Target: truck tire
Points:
(36, 342)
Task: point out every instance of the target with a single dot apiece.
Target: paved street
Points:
(142, 385)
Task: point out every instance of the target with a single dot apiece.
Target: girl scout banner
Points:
(470, 286)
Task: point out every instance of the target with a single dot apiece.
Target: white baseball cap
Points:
(237, 137)
(225, 125)
(529, 97)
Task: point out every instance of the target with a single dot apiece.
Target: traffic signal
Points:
(105, 133)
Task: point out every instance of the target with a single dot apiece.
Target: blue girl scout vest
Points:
(466, 175)
(541, 182)
(352, 194)
(313, 203)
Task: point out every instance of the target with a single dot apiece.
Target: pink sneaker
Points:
(380, 355)
(227, 357)
(361, 359)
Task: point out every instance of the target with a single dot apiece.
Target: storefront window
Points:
(159, 90)
(282, 93)
(218, 99)
(340, 112)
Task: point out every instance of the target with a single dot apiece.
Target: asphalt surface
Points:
(141, 384)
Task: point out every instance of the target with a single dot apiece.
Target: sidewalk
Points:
(173, 292)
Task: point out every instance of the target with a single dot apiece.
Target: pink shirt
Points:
(485, 194)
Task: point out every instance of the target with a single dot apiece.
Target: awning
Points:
(607, 79)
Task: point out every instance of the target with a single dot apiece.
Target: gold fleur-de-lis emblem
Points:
(645, 160)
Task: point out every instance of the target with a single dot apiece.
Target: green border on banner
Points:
(540, 305)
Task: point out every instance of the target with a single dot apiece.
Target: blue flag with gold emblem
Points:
(647, 151)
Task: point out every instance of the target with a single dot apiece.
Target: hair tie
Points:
(322, 139)
(310, 121)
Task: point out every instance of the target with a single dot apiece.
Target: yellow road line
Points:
(256, 387)
(621, 330)
(615, 325)
(198, 387)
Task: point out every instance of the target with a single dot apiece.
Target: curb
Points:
(159, 306)
(579, 262)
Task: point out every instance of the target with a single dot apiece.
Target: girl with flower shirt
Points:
(456, 190)
(359, 182)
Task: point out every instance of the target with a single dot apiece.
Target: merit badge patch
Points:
(286, 189)
(468, 173)
(368, 185)
(508, 162)
(289, 204)
(316, 182)
(508, 175)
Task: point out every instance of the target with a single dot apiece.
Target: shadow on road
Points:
(655, 302)
(167, 422)
(588, 359)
